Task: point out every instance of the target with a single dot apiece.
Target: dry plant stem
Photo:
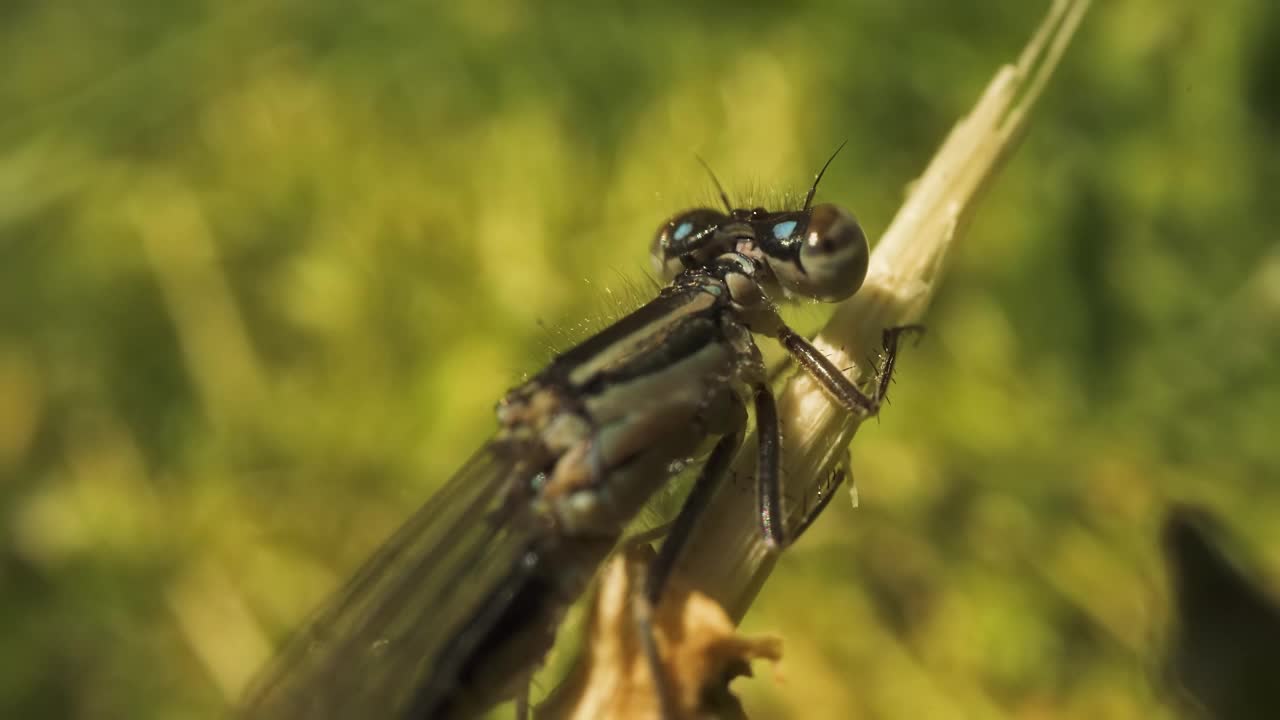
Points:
(725, 552)
(700, 649)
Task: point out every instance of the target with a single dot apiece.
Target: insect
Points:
(457, 609)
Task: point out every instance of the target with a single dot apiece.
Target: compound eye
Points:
(834, 253)
(832, 257)
(687, 236)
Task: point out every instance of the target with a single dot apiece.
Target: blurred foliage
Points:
(265, 267)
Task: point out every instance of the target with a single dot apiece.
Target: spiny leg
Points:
(713, 471)
(769, 475)
(773, 522)
(838, 475)
(889, 341)
(644, 608)
(830, 377)
(845, 392)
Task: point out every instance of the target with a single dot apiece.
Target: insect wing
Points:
(392, 636)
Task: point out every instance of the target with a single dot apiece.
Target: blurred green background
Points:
(265, 269)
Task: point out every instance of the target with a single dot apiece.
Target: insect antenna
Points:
(809, 198)
(724, 197)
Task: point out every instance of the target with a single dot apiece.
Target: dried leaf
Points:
(700, 650)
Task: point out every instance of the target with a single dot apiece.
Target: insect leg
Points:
(643, 608)
(834, 381)
(838, 476)
(769, 469)
(769, 476)
(716, 467)
(890, 343)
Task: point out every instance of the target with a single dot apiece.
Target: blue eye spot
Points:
(682, 231)
(783, 230)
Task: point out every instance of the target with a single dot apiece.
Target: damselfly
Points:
(458, 608)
